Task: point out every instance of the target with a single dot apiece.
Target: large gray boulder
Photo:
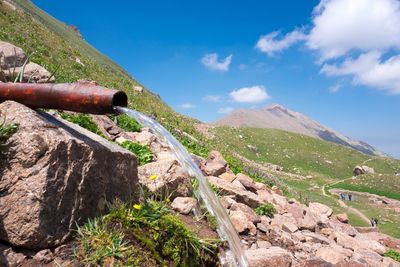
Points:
(55, 175)
(11, 56)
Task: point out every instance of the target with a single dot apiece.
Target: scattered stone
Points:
(249, 212)
(273, 256)
(319, 208)
(358, 170)
(342, 218)
(11, 56)
(184, 205)
(44, 256)
(229, 176)
(214, 169)
(289, 227)
(166, 178)
(239, 221)
(330, 255)
(138, 89)
(263, 244)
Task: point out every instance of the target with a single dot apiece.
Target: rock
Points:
(238, 184)
(319, 208)
(262, 227)
(34, 73)
(144, 137)
(214, 169)
(165, 177)
(239, 221)
(316, 238)
(11, 56)
(280, 202)
(314, 262)
(8, 257)
(229, 176)
(358, 170)
(242, 196)
(289, 227)
(184, 205)
(273, 256)
(248, 183)
(330, 255)
(107, 127)
(263, 244)
(352, 243)
(216, 157)
(350, 263)
(44, 256)
(138, 89)
(249, 212)
(227, 201)
(56, 174)
(342, 217)
(341, 227)
(367, 256)
(326, 231)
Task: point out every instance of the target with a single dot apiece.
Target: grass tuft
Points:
(266, 209)
(142, 152)
(391, 253)
(6, 131)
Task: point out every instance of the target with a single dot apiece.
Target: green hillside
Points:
(57, 47)
(299, 154)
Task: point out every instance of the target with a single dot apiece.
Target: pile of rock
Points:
(358, 170)
(12, 59)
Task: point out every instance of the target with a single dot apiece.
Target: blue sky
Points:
(336, 61)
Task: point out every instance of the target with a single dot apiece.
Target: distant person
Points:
(372, 222)
(376, 222)
(350, 196)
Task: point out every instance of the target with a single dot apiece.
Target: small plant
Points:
(6, 131)
(266, 209)
(143, 153)
(98, 243)
(84, 121)
(391, 253)
(193, 147)
(127, 123)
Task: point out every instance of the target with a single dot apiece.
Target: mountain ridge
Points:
(276, 116)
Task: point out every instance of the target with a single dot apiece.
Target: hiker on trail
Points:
(376, 222)
(373, 222)
(350, 196)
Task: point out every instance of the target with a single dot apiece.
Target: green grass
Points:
(389, 221)
(142, 152)
(391, 253)
(382, 185)
(266, 209)
(149, 226)
(84, 121)
(6, 131)
(297, 153)
(127, 123)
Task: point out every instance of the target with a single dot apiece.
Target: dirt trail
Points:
(354, 211)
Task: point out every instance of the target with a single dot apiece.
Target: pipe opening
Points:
(120, 99)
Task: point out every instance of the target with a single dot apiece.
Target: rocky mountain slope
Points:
(278, 117)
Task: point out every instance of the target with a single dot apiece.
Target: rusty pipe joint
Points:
(84, 97)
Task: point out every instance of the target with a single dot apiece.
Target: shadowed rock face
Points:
(55, 174)
(278, 117)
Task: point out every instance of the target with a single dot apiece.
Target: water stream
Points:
(225, 228)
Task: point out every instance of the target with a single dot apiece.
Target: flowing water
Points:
(225, 228)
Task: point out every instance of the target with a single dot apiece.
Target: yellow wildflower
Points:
(153, 177)
(137, 206)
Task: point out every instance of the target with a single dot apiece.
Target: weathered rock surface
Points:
(165, 177)
(55, 174)
(273, 256)
(12, 59)
(184, 205)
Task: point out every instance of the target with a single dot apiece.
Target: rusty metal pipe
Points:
(82, 97)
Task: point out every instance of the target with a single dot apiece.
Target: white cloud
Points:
(225, 110)
(211, 62)
(270, 45)
(243, 66)
(212, 98)
(341, 26)
(334, 88)
(356, 38)
(187, 105)
(252, 94)
(368, 69)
